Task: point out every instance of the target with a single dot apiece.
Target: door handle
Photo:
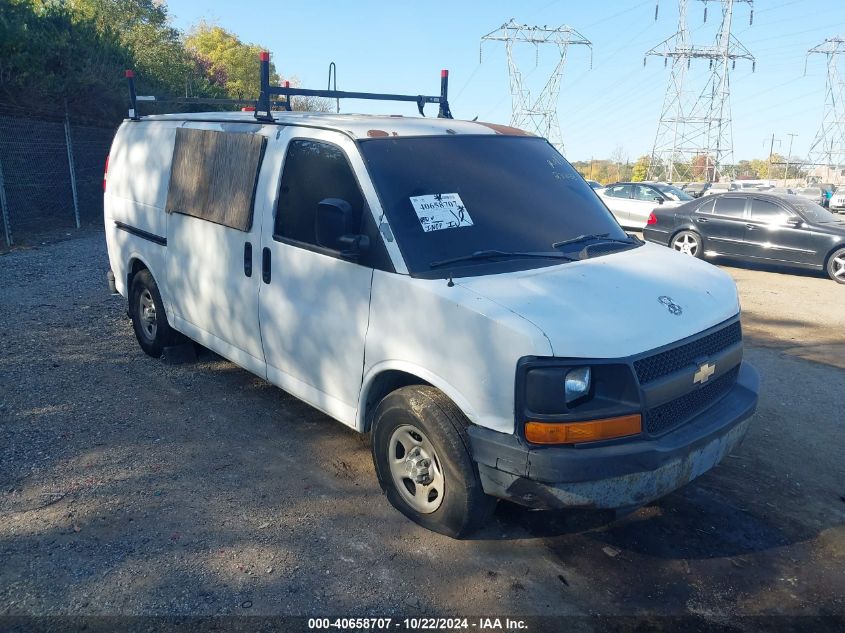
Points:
(248, 259)
(751, 227)
(265, 265)
(701, 220)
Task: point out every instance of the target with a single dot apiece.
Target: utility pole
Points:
(538, 114)
(791, 136)
(771, 152)
(689, 129)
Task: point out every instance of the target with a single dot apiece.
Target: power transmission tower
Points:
(537, 114)
(694, 136)
(828, 147)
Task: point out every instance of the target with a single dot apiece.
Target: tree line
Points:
(619, 169)
(75, 52)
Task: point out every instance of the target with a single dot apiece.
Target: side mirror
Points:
(794, 221)
(659, 199)
(336, 228)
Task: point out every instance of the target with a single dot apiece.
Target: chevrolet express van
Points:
(453, 289)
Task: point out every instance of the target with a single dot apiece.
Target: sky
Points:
(398, 46)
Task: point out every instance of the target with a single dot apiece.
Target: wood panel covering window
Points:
(214, 175)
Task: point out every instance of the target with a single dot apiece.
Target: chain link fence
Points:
(51, 173)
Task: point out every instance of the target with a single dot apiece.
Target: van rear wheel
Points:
(148, 318)
(423, 462)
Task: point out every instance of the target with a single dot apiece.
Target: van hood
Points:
(615, 305)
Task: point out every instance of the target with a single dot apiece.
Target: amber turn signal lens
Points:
(575, 432)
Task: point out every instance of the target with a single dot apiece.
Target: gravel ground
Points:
(128, 486)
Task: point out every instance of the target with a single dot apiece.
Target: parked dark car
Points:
(696, 189)
(814, 194)
(755, 226)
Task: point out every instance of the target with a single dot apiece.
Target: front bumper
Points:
(620, 475)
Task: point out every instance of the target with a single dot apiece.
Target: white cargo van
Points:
(454, 289)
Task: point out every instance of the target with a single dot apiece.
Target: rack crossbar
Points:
(264, 104)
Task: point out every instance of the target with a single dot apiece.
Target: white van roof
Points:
(354, 125)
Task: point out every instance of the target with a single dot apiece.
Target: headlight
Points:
(553, 387)
(570, 401)
(577, 383)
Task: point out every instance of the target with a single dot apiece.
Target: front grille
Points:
(664, 363)
(675, 412)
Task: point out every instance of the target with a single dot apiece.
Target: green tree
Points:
(143, 27)
(760, 167)
(640, 170)
(49, 54)
(229, 60)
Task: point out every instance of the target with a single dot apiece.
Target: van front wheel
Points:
(148, 318)
(423, 462)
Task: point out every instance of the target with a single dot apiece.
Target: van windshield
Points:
(450, 197)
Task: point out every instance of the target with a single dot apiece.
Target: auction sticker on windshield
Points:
(441, 211)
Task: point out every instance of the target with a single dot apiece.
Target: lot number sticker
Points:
(441, 211)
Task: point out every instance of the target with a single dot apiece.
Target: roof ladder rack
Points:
(262, 110)
(263, 106)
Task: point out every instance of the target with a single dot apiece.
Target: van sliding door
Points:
(214, 237)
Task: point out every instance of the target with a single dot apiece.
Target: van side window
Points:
(214, 174)
(313, 171)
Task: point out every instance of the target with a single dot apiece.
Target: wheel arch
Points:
(681, 229)
(133, 267)
(830, 254)
(135, 264)
(389, 376)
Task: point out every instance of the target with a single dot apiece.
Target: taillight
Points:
(652, 219)
(105, 174)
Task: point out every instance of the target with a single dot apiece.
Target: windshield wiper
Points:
(593, 236)
(496, 254)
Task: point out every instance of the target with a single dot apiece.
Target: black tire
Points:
(152, 331)
(464, 507)
(693, 242)
(836, 266)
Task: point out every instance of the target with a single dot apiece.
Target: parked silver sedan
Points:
(632, 202)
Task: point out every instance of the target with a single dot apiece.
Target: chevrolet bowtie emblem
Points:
(704, 372)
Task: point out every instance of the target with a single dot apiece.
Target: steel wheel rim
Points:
(686, 244)
(839, 267)
(415, 469)
(147, 314)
